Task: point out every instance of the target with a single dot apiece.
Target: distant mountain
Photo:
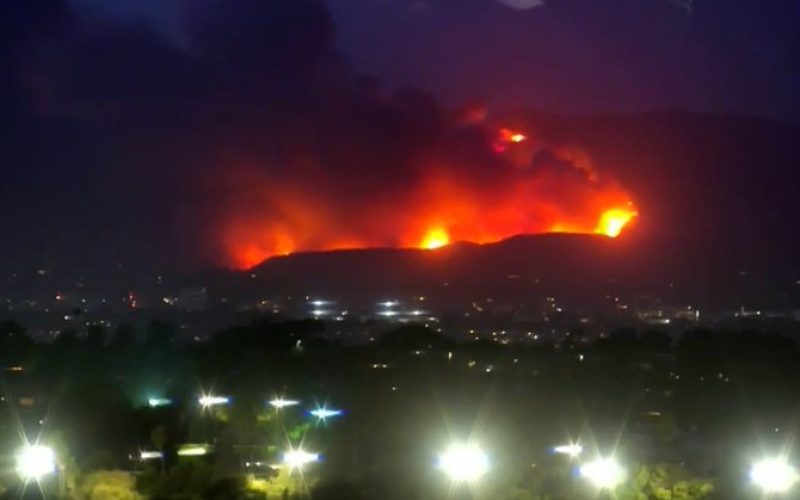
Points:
(719, 197)
(462, 271)
(579, 269)
(719, 201)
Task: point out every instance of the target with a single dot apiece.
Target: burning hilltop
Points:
(514, 183)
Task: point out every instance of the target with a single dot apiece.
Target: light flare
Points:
(572, 450)
(296, 459)
(323, 413)
(209, 400)
(35, 461)
(774, 475)
(604, 473)
(193, 450)
(280, 403)
(464, 462)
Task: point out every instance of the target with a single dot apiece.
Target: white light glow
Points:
(325, 413)
(464, 462)
(207, 400)
(156, 402)
(774, 475)
(299, 458)
(149, 455)
(280, 403)
(35, 461)
(604, 473)
(193, 450)
(571, 450)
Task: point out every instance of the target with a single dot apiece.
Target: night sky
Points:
(577, 56)
(135, 130)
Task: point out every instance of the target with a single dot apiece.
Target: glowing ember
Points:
(506, 137)
(435, 238)
(613, 221)
(512, 136)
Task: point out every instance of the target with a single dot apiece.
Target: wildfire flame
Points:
(435, 238)
(439, 204)
(613, 221)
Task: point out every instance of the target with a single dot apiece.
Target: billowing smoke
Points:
(522, 4)
(254, 138)
(460, 184)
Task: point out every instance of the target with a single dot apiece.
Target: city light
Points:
(35, 462)
(208, 400)
(281, 403)
(774, 475)
(299, 458)
(571, 450)
(193, 450)
(324, 413)
(157, 402)
(149, 455)
(464, 462)
(604, 473)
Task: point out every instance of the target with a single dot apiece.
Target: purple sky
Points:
(576, 56)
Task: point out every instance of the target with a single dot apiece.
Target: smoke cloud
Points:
(258, 139)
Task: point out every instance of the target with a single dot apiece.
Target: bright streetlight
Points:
(464, 462)
(280, 403)
(35, 461)
(207, 400)
(774, 475)
(157, 402)
(324, 413)
(193, 450)
(604, 473)
(571, 450)
(299, 458)
(150, 455)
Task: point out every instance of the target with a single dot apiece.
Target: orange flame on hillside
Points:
(439, 204)
(435, 238)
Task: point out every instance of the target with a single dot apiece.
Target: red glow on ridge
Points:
(439, 203)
